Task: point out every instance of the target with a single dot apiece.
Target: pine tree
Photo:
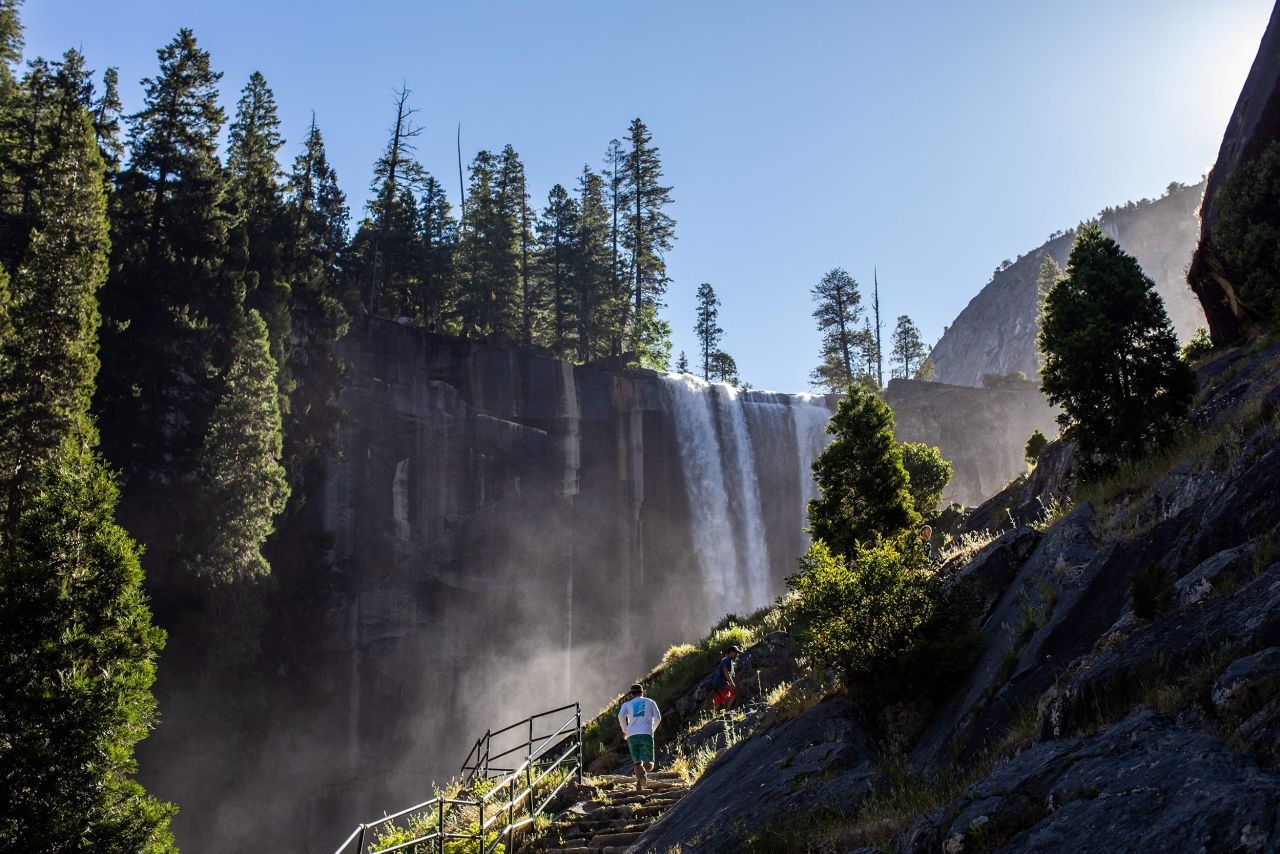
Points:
(1048, 276)
(723, 368)
(77, 660)
(557, 234)
(515, 236)
(10, 44)
(706, 327)
(106, 123)
(317, 215)
(241, 480)
(255, 201)
(49, 361)
(166, 301)
(863, 490)
(648, 232)
(388, 242)
(597, 306)
(489, 254)
(1110, 355)
(838, 311)
(682, 364)
(438, 239)
(909, 351)
(619, 291)
(928, 474)
(875, 312)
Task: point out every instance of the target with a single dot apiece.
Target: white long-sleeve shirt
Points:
(639, 716)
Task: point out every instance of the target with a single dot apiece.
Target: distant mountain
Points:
(996, 332)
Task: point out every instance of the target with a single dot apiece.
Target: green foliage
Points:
(1198, 347)
(1011, 379)
(928, 474)
(1035, 446)
(839, 307)
(860, 615)
(863, 488)
(1151, 588)
(1048, 276)
(58, 240)
(1111, 356)
(909, 352)
(648, 232)
(927, 370)
(1246, 232)
(77, 659)
(241, 475)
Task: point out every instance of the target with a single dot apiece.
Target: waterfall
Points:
(755, 559)
(714, 540)
(810, 414)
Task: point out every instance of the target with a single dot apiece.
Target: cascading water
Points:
(714, 539)
(724, 436)
(810, 414)
(754, 551)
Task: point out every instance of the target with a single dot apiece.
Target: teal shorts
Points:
(641, 747)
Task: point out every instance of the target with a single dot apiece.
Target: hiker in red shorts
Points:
(722, 682)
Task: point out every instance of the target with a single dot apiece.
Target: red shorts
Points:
(724, 695)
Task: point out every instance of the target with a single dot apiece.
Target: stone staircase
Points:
(612, 814)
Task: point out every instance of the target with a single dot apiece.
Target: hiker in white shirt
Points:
(639, 717)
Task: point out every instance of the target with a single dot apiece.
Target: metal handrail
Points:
(477, 766)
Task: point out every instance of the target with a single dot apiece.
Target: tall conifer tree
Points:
(839, 307)
(597, 304)
(557, 232)
(648, 232)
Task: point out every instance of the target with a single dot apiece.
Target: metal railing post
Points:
(440, 826)
(578, 719)
(364, 830)
(480, 845)
(486, 753)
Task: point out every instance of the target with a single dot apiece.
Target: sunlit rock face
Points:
(996, 331)
(504, 533)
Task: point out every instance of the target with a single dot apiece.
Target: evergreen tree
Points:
(317, 213)
(255, 199)
(10, 44)
(1110, 355)
(871, 356)
(1048, 276)
(489, 254)
(1036, 443)
(648, 232)
(388, 242)
(242, 482)
(723, 368)
(909, 351)
(557, 234)
(838, 311)
(77, 660)
(166, 301)
(927, 369)
(438, 238)
(875, 313)
(706, 327)
(682, 364)
(619, 290)
(48, 360)
(863, 490)
(515, 236)
(106, 123)
(928, 474)
(597, 305)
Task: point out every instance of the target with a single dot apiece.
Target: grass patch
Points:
(1052, 512)
(965, 547)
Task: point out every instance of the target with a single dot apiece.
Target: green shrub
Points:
(1035, 447)
(1151, 589)
(1198, 347)
(1246, 232)
(861, 615)
(928, 474)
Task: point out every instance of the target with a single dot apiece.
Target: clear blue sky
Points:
(931, 140)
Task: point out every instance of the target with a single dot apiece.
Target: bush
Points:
(928, 474)
(858, 616)
(1035, 447)
(1012, 379)
(1198, 347)
(1246, 232)
(1151, 589)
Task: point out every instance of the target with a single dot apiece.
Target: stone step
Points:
(611, 839)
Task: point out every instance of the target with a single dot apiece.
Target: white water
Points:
(725, 437)
(755, 561)
(714, 539)
(810, 414)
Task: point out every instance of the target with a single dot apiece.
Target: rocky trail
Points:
(611, 814)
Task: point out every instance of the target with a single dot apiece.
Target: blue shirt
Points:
(718, 679)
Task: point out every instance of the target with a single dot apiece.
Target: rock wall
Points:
(996, 331)
(505, 533)
(1254, 124)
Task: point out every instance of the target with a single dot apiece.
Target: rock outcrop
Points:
(1254, 124)
(996, 331)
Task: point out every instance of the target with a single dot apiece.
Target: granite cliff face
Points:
(1254, 124)
(996, 331)
(505, 533)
